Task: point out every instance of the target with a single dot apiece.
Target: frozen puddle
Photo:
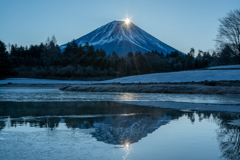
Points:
(112, 130)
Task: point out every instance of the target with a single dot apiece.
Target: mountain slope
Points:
(121, 38)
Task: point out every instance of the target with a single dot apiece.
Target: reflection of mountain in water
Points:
(114, 123)
(117, 129)
(127, 130)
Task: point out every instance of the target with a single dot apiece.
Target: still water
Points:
(114, 130)
(54, 94)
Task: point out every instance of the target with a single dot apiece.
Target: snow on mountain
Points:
(122, 38)
(123, 129)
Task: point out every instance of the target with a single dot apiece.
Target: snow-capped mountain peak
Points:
(122, 38)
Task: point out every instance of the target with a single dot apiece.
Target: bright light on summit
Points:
(127, 21)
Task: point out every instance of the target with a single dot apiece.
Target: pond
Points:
(114, 130)
(54, 94)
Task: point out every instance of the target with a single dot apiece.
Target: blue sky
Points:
(181, 24)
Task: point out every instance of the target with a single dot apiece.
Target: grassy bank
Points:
(206, 87)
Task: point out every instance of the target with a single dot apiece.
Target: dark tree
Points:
(190, 59)
(225, 56)
(4, 61)
(229, 32)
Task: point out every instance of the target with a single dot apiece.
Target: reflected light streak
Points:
(127, 144)
(127, 150)
(127, 97)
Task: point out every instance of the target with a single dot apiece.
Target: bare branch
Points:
(229, 32)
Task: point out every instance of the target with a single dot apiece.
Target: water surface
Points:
(54, 94)
(112, 130)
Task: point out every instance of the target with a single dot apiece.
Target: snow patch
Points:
(226, 67)
(182, 76)
(169, 77)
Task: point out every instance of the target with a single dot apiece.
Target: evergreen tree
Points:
(102, 53)
(4, 61)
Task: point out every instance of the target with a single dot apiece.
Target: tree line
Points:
(48, 61)
(76, 61)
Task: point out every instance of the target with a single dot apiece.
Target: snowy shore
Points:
(169, 77)
(223, 80)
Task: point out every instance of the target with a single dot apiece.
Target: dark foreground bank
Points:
(206, 87)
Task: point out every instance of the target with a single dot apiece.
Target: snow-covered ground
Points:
(182, 76)
(226, 67)
(40, 81)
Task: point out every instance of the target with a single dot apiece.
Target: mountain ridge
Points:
(122, 38)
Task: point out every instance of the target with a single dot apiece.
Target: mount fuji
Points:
(122, 38)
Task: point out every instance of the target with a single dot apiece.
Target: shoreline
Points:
(154, 88)
(231, 108)
(204, 87)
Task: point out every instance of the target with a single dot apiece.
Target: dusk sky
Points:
(181, 24)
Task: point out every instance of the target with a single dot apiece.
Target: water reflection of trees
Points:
(2, 125)
(229, 142)
(111, 120)
(55, 110)
(107, 120)
(229, 137)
